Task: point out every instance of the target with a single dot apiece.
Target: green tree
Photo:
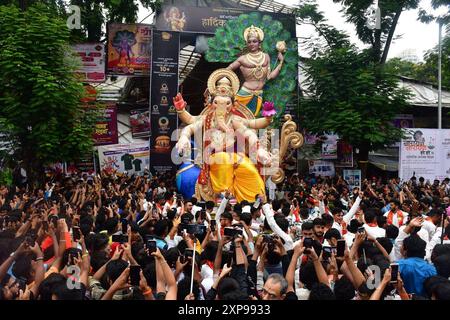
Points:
(353, 98)
(380, 40)
(428, 71)
(94, 13)
(397, 66)
(39, 93)
(350, 92)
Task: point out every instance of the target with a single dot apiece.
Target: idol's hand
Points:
(264, 157)
(280, 57)
(183, 145)
(179, 102)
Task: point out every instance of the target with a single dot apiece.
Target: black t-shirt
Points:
(291, 296)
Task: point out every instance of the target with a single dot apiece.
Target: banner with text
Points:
(164, 86)
(425, 153)
(129, 49)
(105, 131)
(207, 19)
(92, 61)
(132, 157)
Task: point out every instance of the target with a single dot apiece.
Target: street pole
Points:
(440, 77)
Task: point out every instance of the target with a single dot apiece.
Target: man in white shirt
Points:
(268, 212)
(272, 187)
(371, 225)
(340, 220)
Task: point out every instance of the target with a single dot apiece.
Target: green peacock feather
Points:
(228, 42)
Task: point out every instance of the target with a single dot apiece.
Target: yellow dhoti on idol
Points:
(235, 172)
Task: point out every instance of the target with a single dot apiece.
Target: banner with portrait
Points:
(344, 155)
(130, 158)
(140, 123)
(322, 168)
(329, 147)
(425, 153)
(164, 86)
(129, 49)
(353, 178)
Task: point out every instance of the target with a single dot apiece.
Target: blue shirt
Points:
(414, 271)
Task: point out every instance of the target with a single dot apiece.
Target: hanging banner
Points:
(353, 178)
(164, 86)
(140, 123)
(92, 62)
(129, 49)
(344, 155)
(329, 147)
(130, 158)
(425, 153)
(105, 131)
(322, 168)
(404, 121)
(85, 164)
(207, 19)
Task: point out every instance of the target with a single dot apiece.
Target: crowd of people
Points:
(121, 237)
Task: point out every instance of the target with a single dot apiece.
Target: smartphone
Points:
(394, 272)
(188, 253)
(326, 252)
(135, 275)
(31, 239)
(124, 226)
(231, 232)
(213, 225)
(307, 243)
(120, 238)
(201, 229)
(76, 233)
(257, 203)
(190, 228)
(340, 251)
(151, 245)
(361, 230)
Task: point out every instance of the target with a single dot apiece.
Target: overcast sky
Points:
(414, 34)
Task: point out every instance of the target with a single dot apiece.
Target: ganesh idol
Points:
(229, 153)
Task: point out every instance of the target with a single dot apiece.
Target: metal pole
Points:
(440, 77)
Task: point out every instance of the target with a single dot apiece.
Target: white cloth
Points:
(173, 243)
(375, 232)
(349, 237)
(272, 187)
(196, 209)
(208, 277)
(436, 239)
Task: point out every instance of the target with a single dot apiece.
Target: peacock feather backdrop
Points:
(228, 43)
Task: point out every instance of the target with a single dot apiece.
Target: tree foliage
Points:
(94, 13)
(426, 71)
(380, 41)
(39, 93)
(353, 98)
(350, 92)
